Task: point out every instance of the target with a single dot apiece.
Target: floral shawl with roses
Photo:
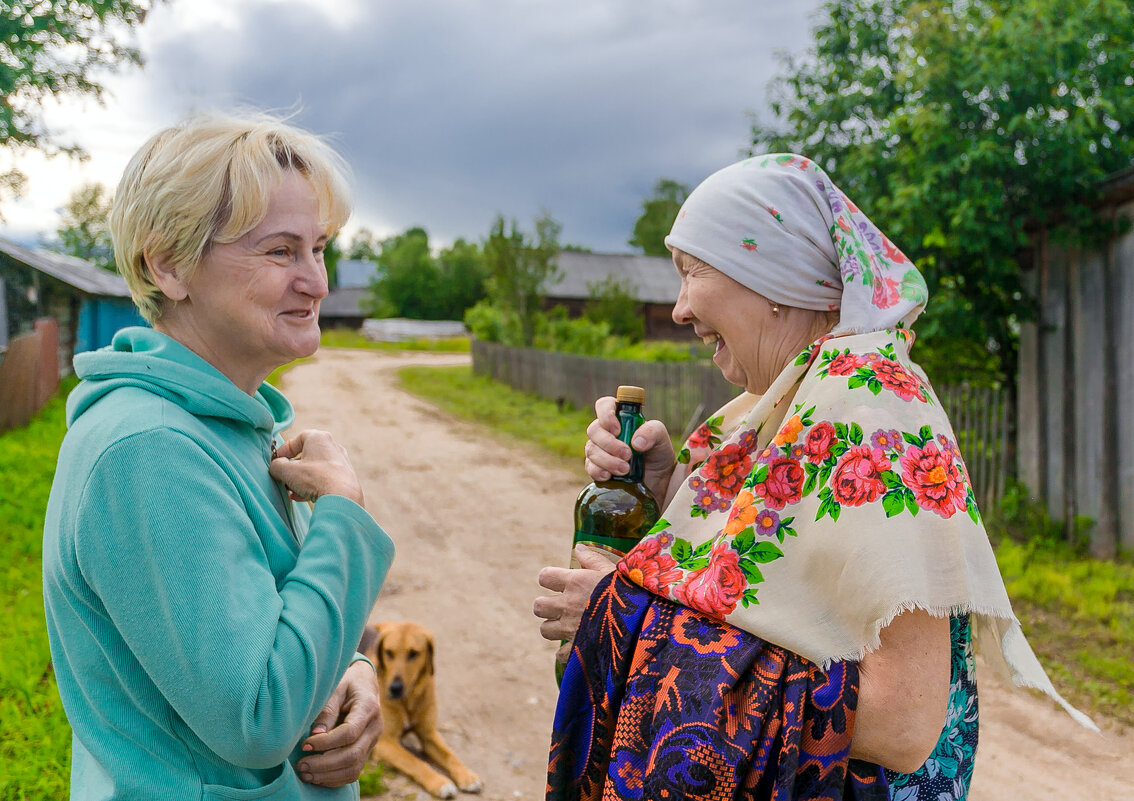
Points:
(814, 514)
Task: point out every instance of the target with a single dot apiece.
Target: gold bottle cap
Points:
(628, 394)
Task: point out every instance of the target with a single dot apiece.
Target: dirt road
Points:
(474, 518)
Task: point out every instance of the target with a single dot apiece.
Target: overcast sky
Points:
(451, 112)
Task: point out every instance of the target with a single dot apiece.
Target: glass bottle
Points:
(612, 516)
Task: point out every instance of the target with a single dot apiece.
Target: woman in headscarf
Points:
(800, 622)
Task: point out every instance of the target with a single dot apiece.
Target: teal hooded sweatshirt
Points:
(198, 619)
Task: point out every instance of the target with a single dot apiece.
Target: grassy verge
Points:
(482, 400)
(1077, 612)
(347, 338)
(35, 738)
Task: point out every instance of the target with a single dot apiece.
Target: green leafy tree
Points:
(959, 125)
(363, 245)
(659, 210)
(614, 301)
(331, 256)
(416, 284)
(83, 230)
(409, 279)
(53, 48)
(462, 279)
(520, 268)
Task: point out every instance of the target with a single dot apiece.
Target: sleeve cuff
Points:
(360, 658)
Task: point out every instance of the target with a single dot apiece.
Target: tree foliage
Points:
(614, 301)
(363, 245)
(83, 230)
(416, 284)
(519, 269)
(331, 256)
(960, 125)
(462, 275)
(53, 48)
(659, 210)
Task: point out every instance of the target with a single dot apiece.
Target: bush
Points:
(614, 302)
(554, 331)
(493, 324)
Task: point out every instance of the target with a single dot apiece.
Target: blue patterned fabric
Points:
(659, 701)
(662, 701)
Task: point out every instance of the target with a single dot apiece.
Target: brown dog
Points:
(403, 655)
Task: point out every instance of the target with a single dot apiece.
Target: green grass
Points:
(1077, 612)
(275, 376)
(1078, 615)
(373, 780)
(35, 738)
(348, 338)
(519, 415)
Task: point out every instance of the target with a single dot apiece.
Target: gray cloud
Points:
(451, 112)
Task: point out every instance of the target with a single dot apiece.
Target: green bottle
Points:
(612, 516)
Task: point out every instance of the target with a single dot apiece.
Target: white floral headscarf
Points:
(780, 226)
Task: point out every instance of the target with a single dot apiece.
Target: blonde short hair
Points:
(209, 180)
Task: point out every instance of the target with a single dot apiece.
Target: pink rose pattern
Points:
(903, 472)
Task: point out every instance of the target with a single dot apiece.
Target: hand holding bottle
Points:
(562, 612)
(607, 455)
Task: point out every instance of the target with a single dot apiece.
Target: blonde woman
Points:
(203, 626)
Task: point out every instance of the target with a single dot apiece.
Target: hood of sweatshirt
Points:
(147, 359)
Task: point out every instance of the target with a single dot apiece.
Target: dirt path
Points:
(474, 518)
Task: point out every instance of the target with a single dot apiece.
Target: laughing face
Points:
(253, 304)
(730, 316)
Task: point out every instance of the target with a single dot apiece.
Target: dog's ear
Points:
(429, 654)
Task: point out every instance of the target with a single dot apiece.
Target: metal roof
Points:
(653, 278)
(343, 302)
(354, 273)
(75, 272)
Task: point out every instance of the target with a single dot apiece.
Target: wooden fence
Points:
(683, 394)
(29, 374)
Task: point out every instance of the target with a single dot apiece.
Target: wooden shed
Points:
(653, 279)
(89, 303)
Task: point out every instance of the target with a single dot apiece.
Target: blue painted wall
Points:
(100, 319)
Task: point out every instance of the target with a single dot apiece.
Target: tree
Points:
(363, 246)
(519, 269)
(331, 256)
(462, 279)
(959, 125)
(659, 210)
(415, 283)
(409, 279)
(52, 48)
(83, 230)
(614, 301)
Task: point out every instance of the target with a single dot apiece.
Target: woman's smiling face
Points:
(253, 304)
(731, 316)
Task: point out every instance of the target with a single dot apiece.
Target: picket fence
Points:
(683, 394)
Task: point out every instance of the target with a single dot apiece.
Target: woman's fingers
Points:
(312, 465)
(292, 447)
